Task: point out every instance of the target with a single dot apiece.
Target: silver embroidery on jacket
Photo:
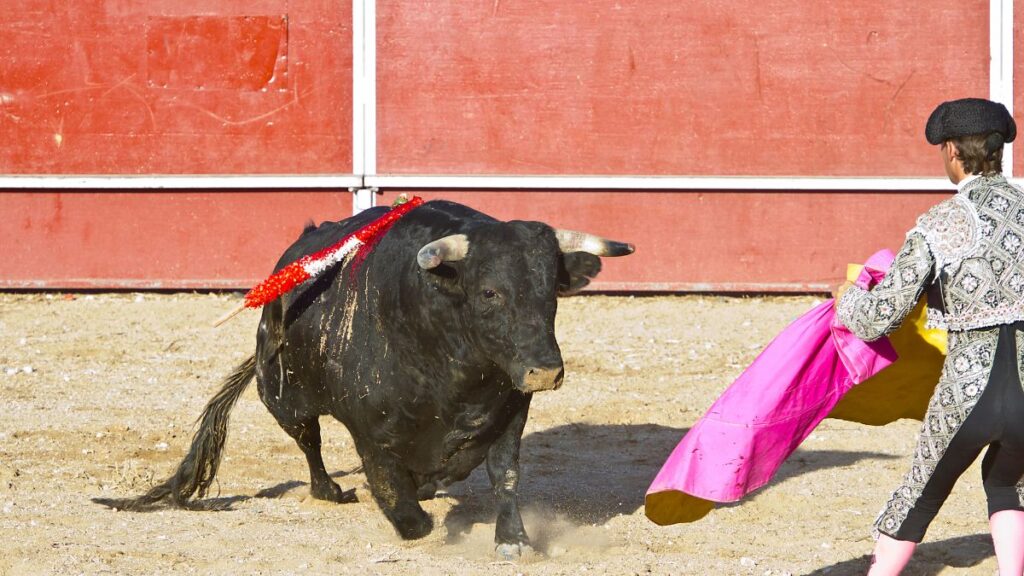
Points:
(964, 377)
(873, 314)
(977, 239)
(952, 229)
(934, 319)
(974, 245)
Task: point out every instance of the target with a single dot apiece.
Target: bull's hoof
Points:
(331, 492)
(414, 524)
(513, 552)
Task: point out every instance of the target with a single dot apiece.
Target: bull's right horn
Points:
(573, 241)
(447, 249)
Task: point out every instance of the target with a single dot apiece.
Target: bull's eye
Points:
(490, 294)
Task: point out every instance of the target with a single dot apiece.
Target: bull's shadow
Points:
(591, 473)
(930, 559)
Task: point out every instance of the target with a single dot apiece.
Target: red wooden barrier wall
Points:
(695, 240)
(599, 87)
(140, 239)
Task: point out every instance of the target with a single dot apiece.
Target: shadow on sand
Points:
(219, 503)
(283, 488)
(592, 473)
(930, 559)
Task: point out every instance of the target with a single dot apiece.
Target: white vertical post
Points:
(1001, 64)
(364, 100)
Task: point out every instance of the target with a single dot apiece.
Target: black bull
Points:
(428, 351)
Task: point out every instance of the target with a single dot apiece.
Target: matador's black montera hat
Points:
(969, 116)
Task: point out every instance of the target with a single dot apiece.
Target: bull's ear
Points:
(575, 271)
(445, 279)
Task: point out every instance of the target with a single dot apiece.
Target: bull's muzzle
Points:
(537, 379)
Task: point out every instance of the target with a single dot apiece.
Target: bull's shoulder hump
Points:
(452, 210)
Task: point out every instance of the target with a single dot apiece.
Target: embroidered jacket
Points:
(969, 249)
(968, 252)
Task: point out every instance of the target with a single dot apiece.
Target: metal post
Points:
(1001, 64)
(363, 198)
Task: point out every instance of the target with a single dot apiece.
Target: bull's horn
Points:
(572, 241)
(447, 249)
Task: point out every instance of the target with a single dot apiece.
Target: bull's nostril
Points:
(536, 378)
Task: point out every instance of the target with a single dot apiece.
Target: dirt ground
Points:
(99, 394)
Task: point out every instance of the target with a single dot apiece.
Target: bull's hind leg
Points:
(295, 409)
(307, 436)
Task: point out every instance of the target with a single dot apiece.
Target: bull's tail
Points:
(197, 471)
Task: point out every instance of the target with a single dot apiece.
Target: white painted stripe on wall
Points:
(658, 183)
(185, 182)
(365, 184)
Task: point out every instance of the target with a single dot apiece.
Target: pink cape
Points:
(767, 412)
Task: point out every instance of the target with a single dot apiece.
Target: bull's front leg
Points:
(503, 469)
(394, 490)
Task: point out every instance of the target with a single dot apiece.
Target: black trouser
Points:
(997, 421)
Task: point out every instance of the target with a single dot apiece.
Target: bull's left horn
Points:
(572, 241)
(447, 249)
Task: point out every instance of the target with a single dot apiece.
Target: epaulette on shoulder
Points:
(951, 228)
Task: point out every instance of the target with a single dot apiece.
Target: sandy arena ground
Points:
(99, 394)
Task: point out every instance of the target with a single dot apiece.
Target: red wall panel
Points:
(699, 240)
(140, 239)
(771, 87)
(526, 87)
(176, 87)
(714, 241)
